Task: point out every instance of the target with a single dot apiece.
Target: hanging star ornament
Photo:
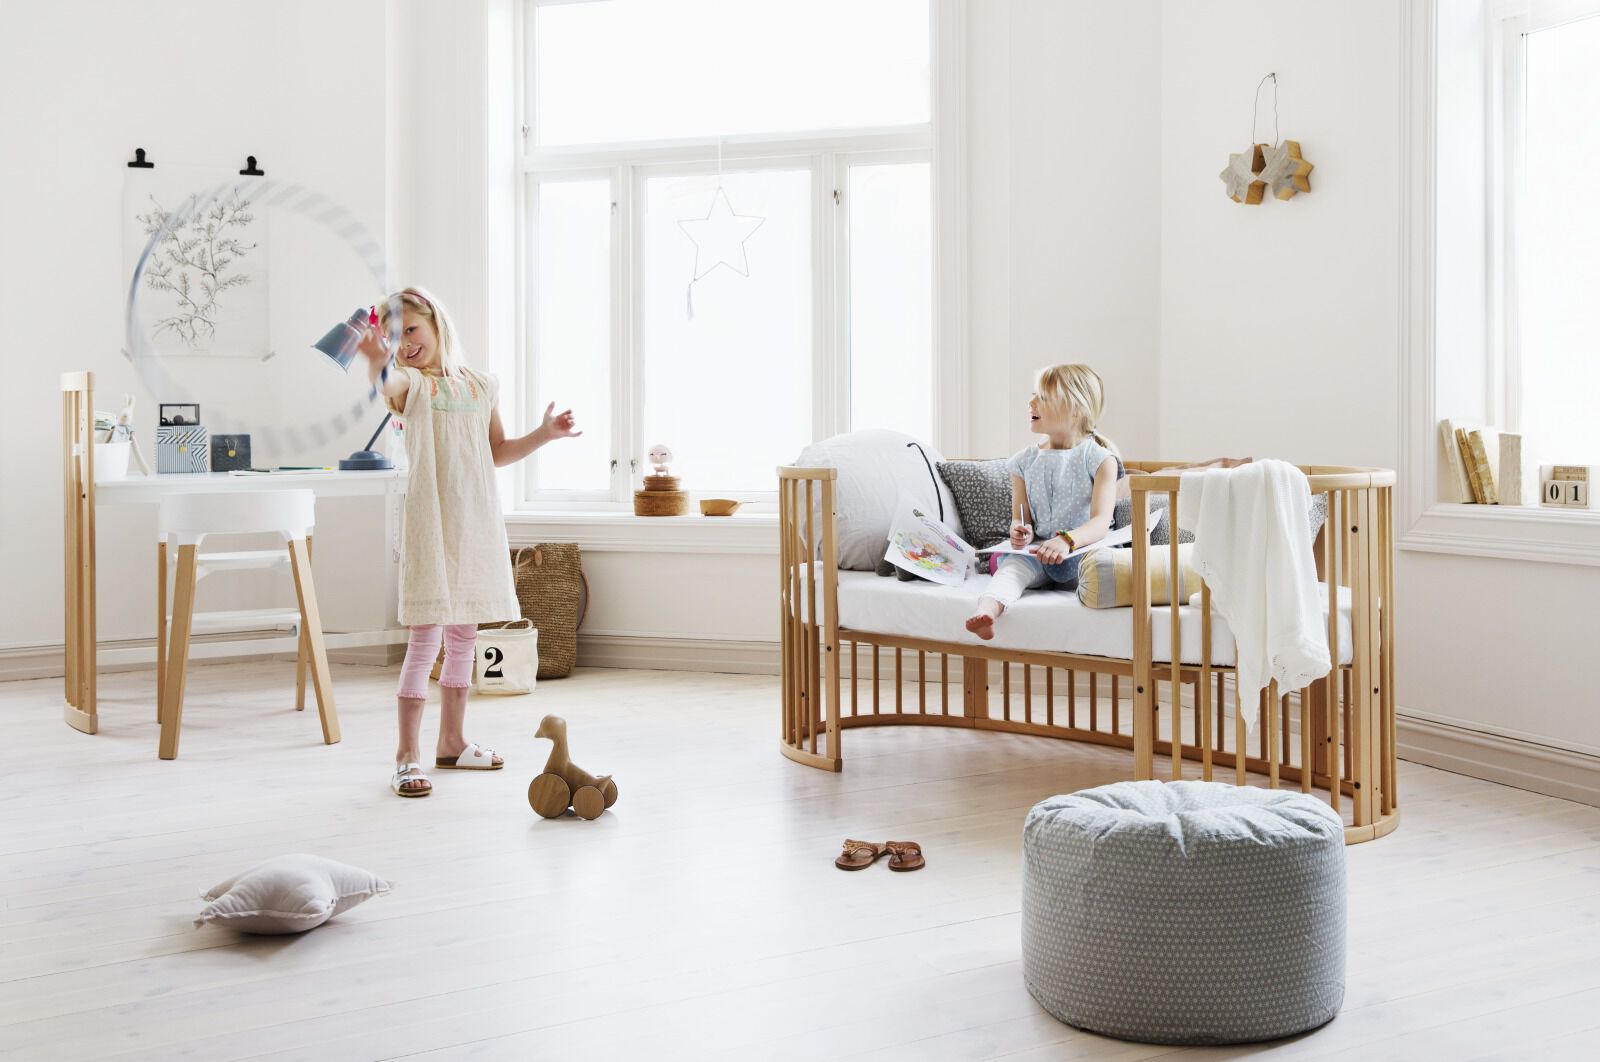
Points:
(1285, 172)
(1242, 178)
(719, 237)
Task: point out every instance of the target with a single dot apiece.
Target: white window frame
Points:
(828, 154)
(1426, 524)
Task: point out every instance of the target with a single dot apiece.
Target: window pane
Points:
(1559, 245)
(891, 298)
(573, 326)
(664, 69)
(730, 389)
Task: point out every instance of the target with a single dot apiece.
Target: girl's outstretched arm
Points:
(510, 451)
(395, 385)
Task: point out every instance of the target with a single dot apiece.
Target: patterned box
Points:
(182, 449)
(230, 452)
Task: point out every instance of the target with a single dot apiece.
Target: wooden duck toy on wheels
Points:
(564, 784)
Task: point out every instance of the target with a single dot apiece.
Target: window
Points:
(1552, 236)
(804, 132)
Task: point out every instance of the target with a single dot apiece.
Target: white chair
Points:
(186, 519)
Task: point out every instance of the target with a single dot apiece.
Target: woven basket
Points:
(553, 593)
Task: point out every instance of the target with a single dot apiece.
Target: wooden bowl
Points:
(718, 506)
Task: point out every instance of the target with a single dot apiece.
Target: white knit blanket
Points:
(1250, 547)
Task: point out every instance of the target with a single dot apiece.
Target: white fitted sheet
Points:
(1052, 621)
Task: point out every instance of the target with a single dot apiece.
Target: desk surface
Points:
(149, 488)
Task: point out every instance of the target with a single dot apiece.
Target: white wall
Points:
(1280, 331)
(197, 83)
(1279, 321)
(1065, 164)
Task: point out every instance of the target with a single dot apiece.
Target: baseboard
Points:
(380, 648)
(1497, 758)
(656, 653)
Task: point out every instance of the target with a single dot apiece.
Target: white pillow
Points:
(875, 468)
(289, 894)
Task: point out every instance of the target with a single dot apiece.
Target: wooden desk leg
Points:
(161, 626)
(80, 710)
(301, 654)
(311, 623)
(178, 653)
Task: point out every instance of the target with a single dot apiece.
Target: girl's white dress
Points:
(455, 565)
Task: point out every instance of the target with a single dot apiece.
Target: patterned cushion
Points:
(982, 491)
(1185, 912)
(1105, 577)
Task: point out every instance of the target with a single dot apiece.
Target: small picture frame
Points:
(179, 414)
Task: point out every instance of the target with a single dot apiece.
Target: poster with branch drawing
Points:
(204, 288)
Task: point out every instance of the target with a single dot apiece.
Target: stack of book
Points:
(1488, 466)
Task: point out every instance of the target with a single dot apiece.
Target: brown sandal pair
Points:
(858, 855)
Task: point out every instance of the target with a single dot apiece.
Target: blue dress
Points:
(1060, 485)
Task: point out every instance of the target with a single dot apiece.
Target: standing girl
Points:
(455, 566)
(1063, 491)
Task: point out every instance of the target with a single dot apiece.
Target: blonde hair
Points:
(452, 362)
(1076, 388)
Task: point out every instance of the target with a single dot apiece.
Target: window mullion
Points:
(624, 332)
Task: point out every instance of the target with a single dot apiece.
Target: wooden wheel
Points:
(549, 795)
(588, 802)
(609, 791)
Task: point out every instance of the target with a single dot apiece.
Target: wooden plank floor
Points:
(701, 918)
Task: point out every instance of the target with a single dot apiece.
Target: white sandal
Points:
(402, 774)
(472, 758)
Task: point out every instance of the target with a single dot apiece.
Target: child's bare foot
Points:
(981, 624)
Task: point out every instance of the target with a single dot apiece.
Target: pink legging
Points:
(422, 649)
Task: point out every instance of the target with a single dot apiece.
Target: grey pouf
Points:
(1185, 912)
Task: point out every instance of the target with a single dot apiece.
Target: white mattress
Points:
(1046, 620)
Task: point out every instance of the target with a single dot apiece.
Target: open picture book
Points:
(925, 546)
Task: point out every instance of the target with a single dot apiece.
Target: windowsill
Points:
(623, 532)
(1512, 532)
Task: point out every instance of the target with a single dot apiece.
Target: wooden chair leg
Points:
(302, 655)
(178, 653)
(161, 627)
(311, 623)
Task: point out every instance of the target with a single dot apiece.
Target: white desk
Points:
(82, 644)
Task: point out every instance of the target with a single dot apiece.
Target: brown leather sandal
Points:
(905, 855)
(858, 855)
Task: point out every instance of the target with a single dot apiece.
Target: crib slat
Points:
(1005, 689)
(1286, 755)
(1391, 757)
(1241, 737)
(1027, 693)
(1305, 740)
(1203, 692)
(1174, 593)
(1270, 710)
(875, 682)
(899, 684)
(854, 676)
(1094, 699)
(922, 683)
(1050, 696)
(1222, 710)
(1116, 706)
(1072, 699)
(785, 607)
(944, 683)
(1330, 571)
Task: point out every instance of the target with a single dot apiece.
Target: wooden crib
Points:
(1336, 737)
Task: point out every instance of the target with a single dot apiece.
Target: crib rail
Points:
(1335, 738)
